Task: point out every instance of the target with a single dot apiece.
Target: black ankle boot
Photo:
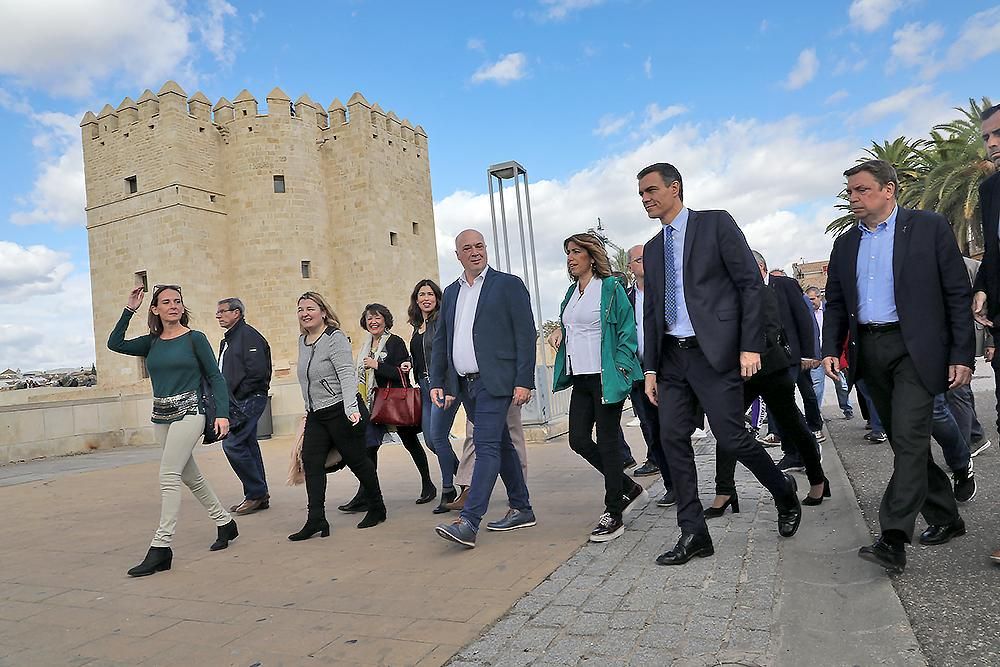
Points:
(314, 524)
(428, 493)
(227, 534)
(375, 516)
(158, 559)
(446, 497)
(356, 504)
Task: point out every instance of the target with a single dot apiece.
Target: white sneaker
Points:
(980, 447)
(820, 436)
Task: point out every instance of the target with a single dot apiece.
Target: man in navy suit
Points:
(897, 284)
(484, 354)
(703, 337)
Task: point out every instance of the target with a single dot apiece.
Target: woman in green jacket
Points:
(177, 359)
(597, 356)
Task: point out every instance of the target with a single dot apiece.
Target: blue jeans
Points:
(944, 429)
(495, 453)
(818, 378)
(436, 423)
(872, 412)
(241, 446)
(843, 395)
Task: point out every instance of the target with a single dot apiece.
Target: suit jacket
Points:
(988, 278)
(722, 288)
(503, 336)
(932, 294)
(796, 317)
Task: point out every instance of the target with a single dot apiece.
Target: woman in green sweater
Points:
(597, 356)
(177, 359)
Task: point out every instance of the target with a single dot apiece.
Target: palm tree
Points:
(619, 262)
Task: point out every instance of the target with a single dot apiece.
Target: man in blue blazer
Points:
(896, 282)
(703, 337)
(484, 355)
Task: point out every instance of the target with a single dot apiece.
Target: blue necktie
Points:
(670, 278)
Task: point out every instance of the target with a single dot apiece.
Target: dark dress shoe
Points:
(789, 515)
(716, 512)
(158, 559)
(358, 503)
(890, 556)
(647, 469)
(427, 494)
(941, 534)
(227, 534)
(688, 547)
(446, 497)
(249, 506)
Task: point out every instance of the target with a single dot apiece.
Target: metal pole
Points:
(493, 213)
(503, 220)
(520, 226)
(534, 262)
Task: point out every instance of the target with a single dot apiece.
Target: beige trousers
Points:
(468, 460)
(177, 465)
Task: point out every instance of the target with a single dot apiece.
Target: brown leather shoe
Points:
(235, 507)
(995, 556)
(249, 506)
(459, 502)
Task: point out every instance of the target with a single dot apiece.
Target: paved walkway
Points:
(397, 595)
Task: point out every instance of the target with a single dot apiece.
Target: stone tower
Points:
(228, 201)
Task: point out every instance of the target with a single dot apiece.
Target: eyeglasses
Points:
(224, 310)
(163, 287)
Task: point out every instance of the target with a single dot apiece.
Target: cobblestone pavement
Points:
(610, 604)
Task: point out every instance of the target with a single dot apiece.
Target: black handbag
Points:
(206, 401)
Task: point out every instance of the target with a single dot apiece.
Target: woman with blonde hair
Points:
(334, 416)
(597, 356)
(177, 359)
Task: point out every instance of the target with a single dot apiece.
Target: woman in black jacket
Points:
(378, 365)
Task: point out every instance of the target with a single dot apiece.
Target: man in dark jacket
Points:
(245, 362)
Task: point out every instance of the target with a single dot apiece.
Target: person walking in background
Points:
(177, 359)
(245, 362)
(911, 338)
(334, 418)
(817, 374)
(385, 362)
(703, 340)
(597, 358)
(425, 307)
(484, 354)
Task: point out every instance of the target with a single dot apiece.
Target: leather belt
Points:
(684, 343)
(878, 327)
(470, 377)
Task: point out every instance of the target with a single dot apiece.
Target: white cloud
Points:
(647, 67)
(509, 68)
(731, 165)
(475, 44)
(870, 15)
(896, 103)
(913, 44)
(917, 108)
(66, 47)
(560, 9)
(849, 66)
(655, 115)
(59, 332)
(804, 71)
(980, 37)
(611, 124)
(58, 194)
(838, 96)
(30, 271)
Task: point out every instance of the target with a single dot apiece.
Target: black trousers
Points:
(810, 406)
(587, 408)
(778, 391)
(905, 406)
(686, 378)
(327, 429)
(649, 424)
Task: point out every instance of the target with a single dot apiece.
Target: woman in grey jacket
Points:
(333, 414)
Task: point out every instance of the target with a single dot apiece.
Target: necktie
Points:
(670, 278)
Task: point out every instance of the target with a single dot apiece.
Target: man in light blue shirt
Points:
(876, 284)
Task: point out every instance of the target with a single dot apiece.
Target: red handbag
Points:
(397, 406)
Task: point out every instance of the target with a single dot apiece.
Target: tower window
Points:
(279, 183)
(131, 185)
(306, 269)
(416, 228)
(140, 279)
(393, 238)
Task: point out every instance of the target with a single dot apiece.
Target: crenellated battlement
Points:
(172, 103)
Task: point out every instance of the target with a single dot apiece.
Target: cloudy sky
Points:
(761, 106)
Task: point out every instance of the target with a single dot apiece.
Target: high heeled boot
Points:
(227, 534)
(158, 559)
(375, 516)
(315, 523)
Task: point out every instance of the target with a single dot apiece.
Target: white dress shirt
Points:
(463, 351)
(639, 298)
(222, 355)
(582, 319)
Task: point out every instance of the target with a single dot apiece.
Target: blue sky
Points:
(760, 105)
